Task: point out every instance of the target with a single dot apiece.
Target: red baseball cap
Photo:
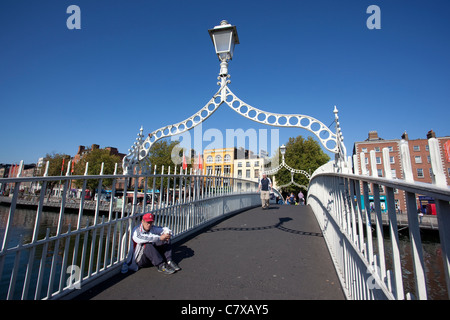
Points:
(148, 217)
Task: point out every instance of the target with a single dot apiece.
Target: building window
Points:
(416, 148)
(378, 160)
(392, 159)
(256, 173)
(394, 173)
(209, 159)
(377, 149)
(227, 170)
(427, 148)
(448, 171)
(227, 158)
(256, 164)
(418, 159)
(391, 149)
(428, 159)
(239, 164)
(247, 173)
(380, 172)
(239, 174)
(364, 150)
(247, 164)
(218, 159)
(420, 173)
(208, 170)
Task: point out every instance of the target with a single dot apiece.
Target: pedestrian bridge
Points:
(328, 249)
(257, 254)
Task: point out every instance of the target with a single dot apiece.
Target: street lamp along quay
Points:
(225, 38)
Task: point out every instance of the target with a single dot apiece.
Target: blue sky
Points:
(152, 63)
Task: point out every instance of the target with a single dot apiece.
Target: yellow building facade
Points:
(219, 161)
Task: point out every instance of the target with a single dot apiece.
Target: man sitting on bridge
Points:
(151, 246)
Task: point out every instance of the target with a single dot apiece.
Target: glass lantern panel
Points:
(223, 40)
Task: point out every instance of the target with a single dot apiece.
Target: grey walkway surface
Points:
(274, 254)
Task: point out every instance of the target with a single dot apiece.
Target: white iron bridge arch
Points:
(224, 38)
(331, 141)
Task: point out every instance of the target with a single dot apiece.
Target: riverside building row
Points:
(232, 162)
(368, 157)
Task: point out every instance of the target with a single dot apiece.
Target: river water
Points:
(23, 226)
(24, 220)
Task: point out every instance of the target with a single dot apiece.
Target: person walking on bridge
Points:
(151, 246)
(264, 184)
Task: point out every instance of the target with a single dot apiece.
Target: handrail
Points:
(357, 246)
(413, 186)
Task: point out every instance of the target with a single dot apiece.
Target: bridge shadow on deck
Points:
(274, 254)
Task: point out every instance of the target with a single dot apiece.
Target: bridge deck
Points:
(274, 254)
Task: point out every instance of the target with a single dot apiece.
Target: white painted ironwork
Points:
(71, 258)
(333, 142)
(283, 164)
(290, 169)
(358, 253)
(322, 132)
(292, 182)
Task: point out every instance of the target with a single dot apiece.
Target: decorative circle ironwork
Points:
(333, 142)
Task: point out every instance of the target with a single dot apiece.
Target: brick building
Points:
(419, 156)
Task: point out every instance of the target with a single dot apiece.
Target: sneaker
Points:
(164, 268)
(174, 266)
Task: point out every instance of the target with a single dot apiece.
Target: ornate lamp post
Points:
(224, 38)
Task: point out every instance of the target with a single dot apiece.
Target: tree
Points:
(95, 158)
(302, 154)
(160, 155)
(57, 166)
(164, 153)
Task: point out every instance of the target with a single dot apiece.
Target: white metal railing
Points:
(71, 257)
(359, 253)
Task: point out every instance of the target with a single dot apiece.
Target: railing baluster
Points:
(379, 231)
(393, 230)
(42, 267)
(64, 261)
(13, 279)
(416, 246)
(443, 216)
(368, 223)
(12, 210)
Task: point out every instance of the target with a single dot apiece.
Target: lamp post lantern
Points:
(283, 151)
(224, 38)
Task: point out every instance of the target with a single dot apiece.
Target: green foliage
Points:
(161, 155)
(302, 154)
(95, 158)
(55, 166)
